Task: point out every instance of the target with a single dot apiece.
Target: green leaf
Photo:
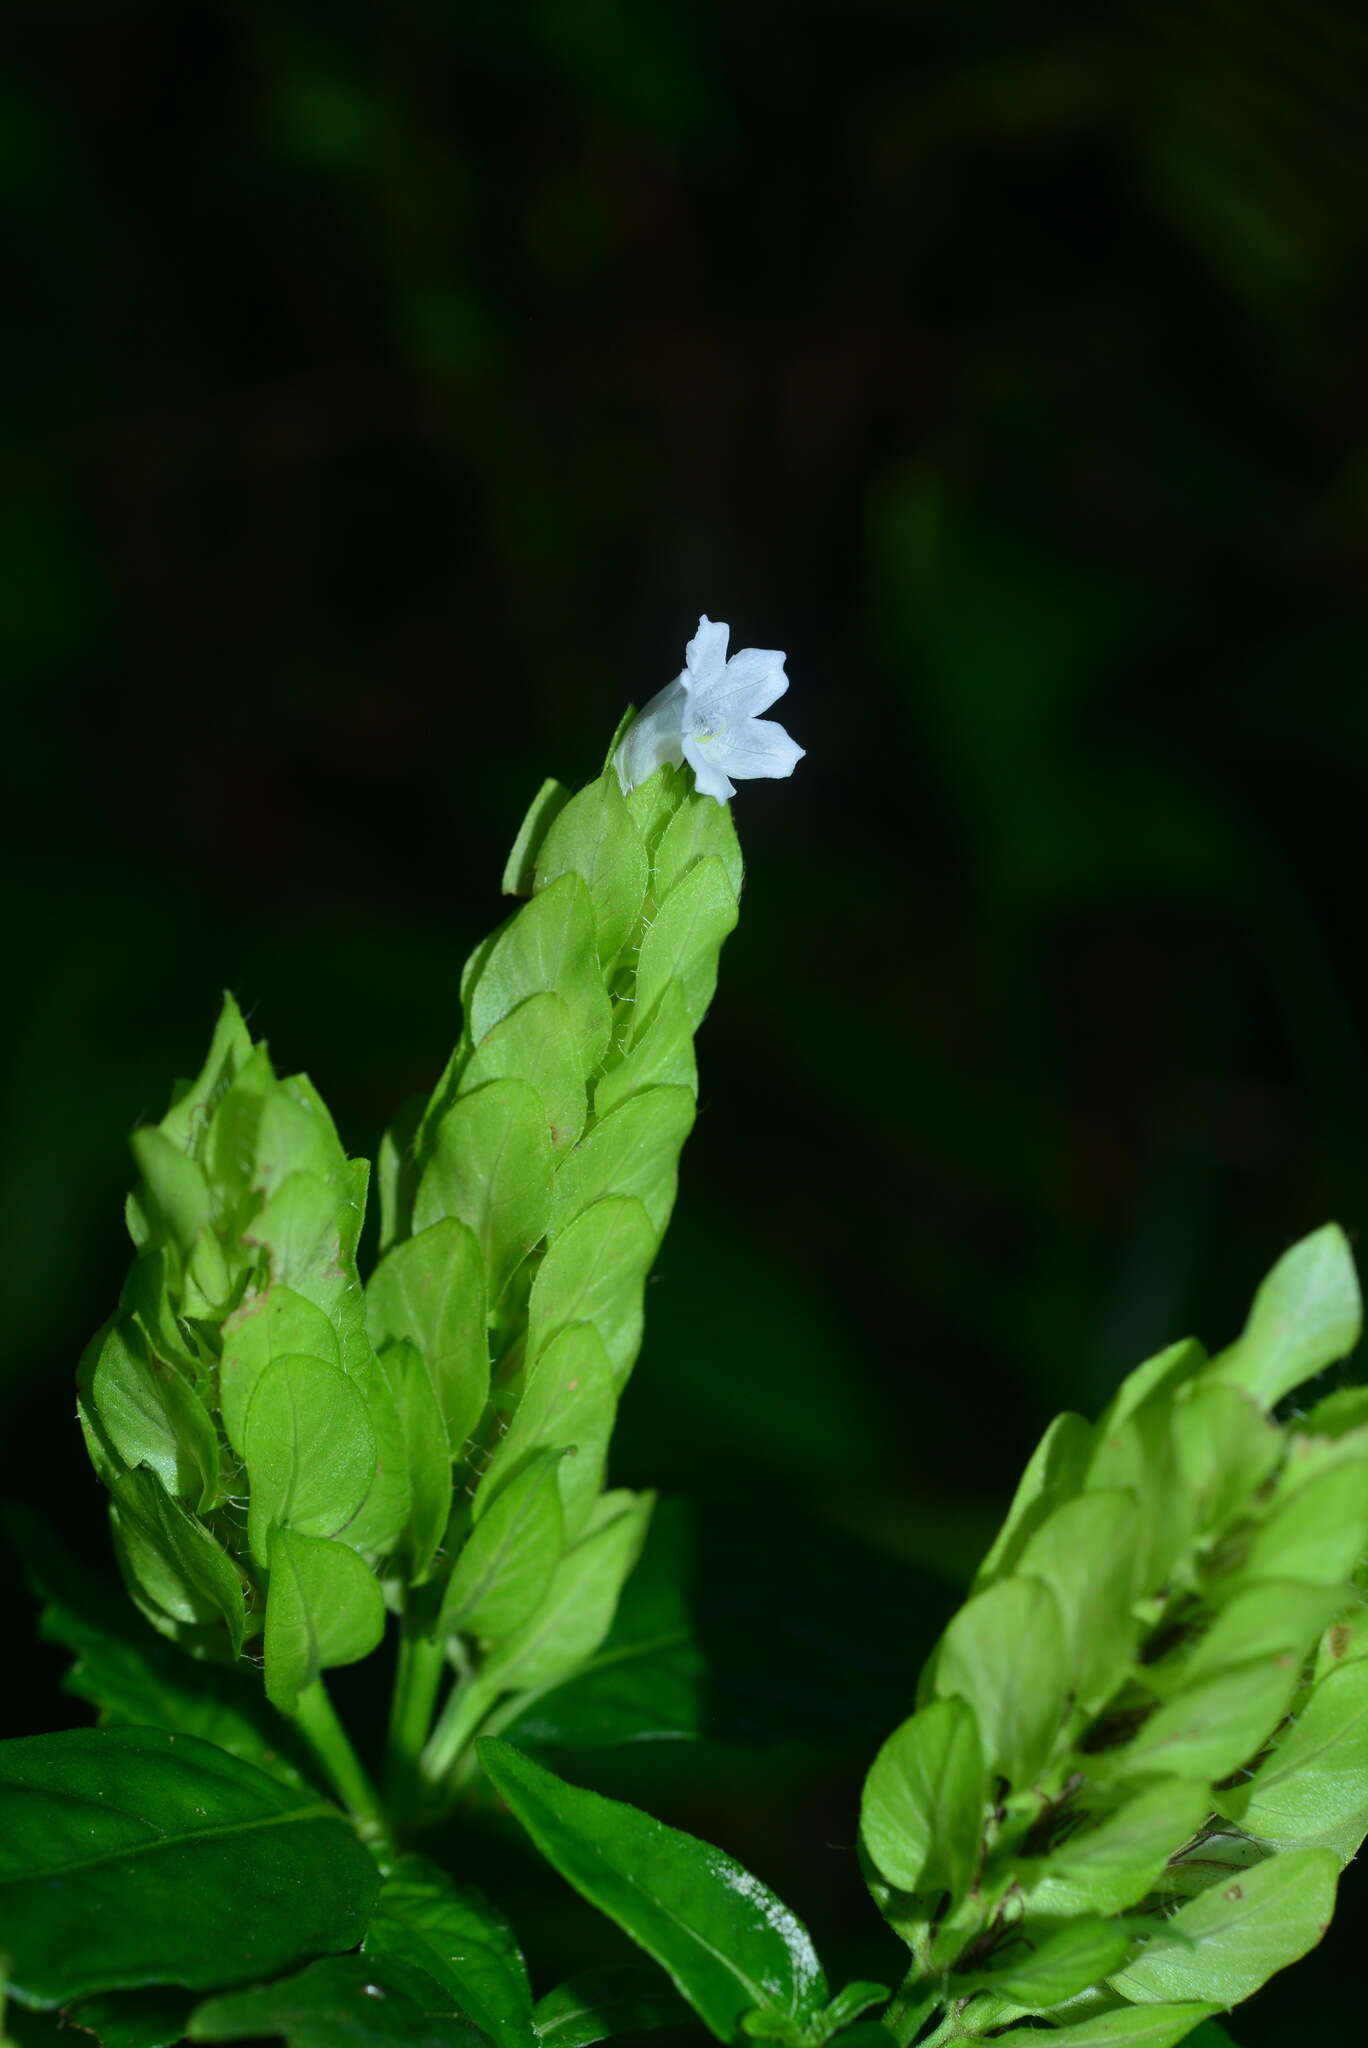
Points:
(662, 1057)
(310, 1451)
(461, 1941)
(1316, 1780)
(521, 866)
(594, 1273)
(634, 1152)
(135, 1676)
(180, 1566)
(491, 1169)
(601, 2004)
(1272, 1618)
(549, 947)
(1319, 1532)
(384, 1514)
(655, 801)
(343, 2002)
(194, 1101)
(177, 1863)
(277, 1324)
(1153, 1382)
(1225, 1447)
(1306, 1315)
(299, 1230)
(1212, 1727)
(727, 1942)
(1072, 1959)
(683, 942)
(536, 1043)
(595, 838)
(155, 2018)
(427, 1455)
(848, 2004)
(698, 829)
(174, 1194)
(505, 1567)
(430, 1292)
(1111, 1865)
(396, 1171)
(1054, 1473)
(323, 1607)
(1150, 2026)
(568, 1404)
(579, 1604)
(1233, 1937)
(1085, 1551)
(922, 1814)
(1005, 1654)
(154, 1417)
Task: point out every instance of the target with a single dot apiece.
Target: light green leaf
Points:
(654, 802)
(430, 1292)
(177, 1863)
(921, 1818)
(174, 1193)
(699, 828)
(521, 866)
(595, 838)
(427, 1455)
(634, 1151)
(385, 1512)
(1316, 1780)
(1306, 1315)
(310, 1451)
(299, 1229)
(1005, 1653)
(1085, 1551)
(342, 2002)
(278, 1324)
(505, 1567)
(683, 942)
(194, 1101)
(1149, 2026)
(1278, 1619)
(154, 1417)
(577, 1611)
(323, 1608)
(1111, 1865)
(594, 1273)
(548, 947)
(183, 1570)
(491, 1169)
(1160, 1376)
(463, 1943)
(601, 2004)
(1072, 1959)
(396, 1172)
(728, 1943)
(662, 1057)
(567, 1405)
(536, 1043)
(1226, 1448)
(1055, 1472)
(1211, 1727)
(1318, 1532)
(1233, 1937)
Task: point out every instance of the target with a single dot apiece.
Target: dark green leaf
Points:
(344, 2002)
(177, 1863)
(134, 2019)
(728, 1943)
(602, 2004)
(461, 1941)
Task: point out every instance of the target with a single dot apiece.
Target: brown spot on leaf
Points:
(1234, 1891)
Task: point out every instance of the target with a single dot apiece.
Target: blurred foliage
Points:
(390, 387)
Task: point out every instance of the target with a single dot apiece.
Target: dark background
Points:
(390, 387)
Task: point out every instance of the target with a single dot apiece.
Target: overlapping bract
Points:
(1140, 1758)
(286, 1448)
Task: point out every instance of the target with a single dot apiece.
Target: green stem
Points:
(459, 1718)
(316, 1718)
(421, 1664)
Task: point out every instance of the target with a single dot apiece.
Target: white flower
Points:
(710, 717)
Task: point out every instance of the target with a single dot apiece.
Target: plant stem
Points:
(419, 1674)
(316, 1718)
(460, 1717)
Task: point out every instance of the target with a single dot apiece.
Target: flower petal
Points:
(754, 680)
(653, 737)
(706, 654)
(709, 779)
(757, 746)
